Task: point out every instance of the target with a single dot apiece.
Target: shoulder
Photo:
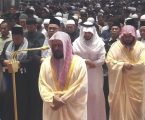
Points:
(76, 41)
(115, 44)
(46, 60)
(7, 43)
(30, 45)
(139, 44)
(115, 47)
(40, 34)
(76, 57)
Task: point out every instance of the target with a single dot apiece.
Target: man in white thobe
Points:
(63, 82)
(91, 48)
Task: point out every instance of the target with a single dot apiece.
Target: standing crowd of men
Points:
(94, 67)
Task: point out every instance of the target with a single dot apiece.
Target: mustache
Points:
(128, 43)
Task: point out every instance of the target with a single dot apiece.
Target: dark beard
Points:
(128, 43)
(57, 55)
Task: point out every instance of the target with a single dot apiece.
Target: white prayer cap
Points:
(46, 9)
(58, 14)
(111, 2)
(32, 8)
(73, 7)
(111, 5)
(98, 5)
(60, 19)
(102, 11)
(70, 22)
(107, 5)
(80, 20)
(84, 7)
(39, 20)
(142, 18)
(134, 16)
(82, 10)
(1, 20)
(91, 19)
(133, 9)
(46, 21)
(35, 16)
(75, 17)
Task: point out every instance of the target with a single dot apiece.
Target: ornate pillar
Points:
(13, 3)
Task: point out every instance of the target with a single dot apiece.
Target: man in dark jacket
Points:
(36, 39)
(24, 59)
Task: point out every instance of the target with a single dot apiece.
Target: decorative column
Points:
(13, 3)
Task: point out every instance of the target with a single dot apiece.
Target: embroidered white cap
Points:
(70, 22)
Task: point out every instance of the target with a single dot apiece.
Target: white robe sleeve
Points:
(45, 89)
(101, 57)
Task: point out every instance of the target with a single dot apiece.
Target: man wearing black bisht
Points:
(24, 59)
(36, 39)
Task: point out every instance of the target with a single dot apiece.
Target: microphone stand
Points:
(13, 68)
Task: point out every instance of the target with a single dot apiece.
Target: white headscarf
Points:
(88, 46)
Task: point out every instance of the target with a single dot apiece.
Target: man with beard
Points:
(72, 29)
(63, 82)
(125, 61)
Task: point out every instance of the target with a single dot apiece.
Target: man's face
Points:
(70, 28)
(115, 31)
(17, 39)
(23, 23)
(32, 27)
(142, 32)
(88, 35)
(44, 14)
(101, 20)
(57, 49)
(4, 29)
(12, 10)
(128, 40)
(52, 28)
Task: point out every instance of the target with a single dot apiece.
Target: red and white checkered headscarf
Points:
(128, 29)
(67, 51)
